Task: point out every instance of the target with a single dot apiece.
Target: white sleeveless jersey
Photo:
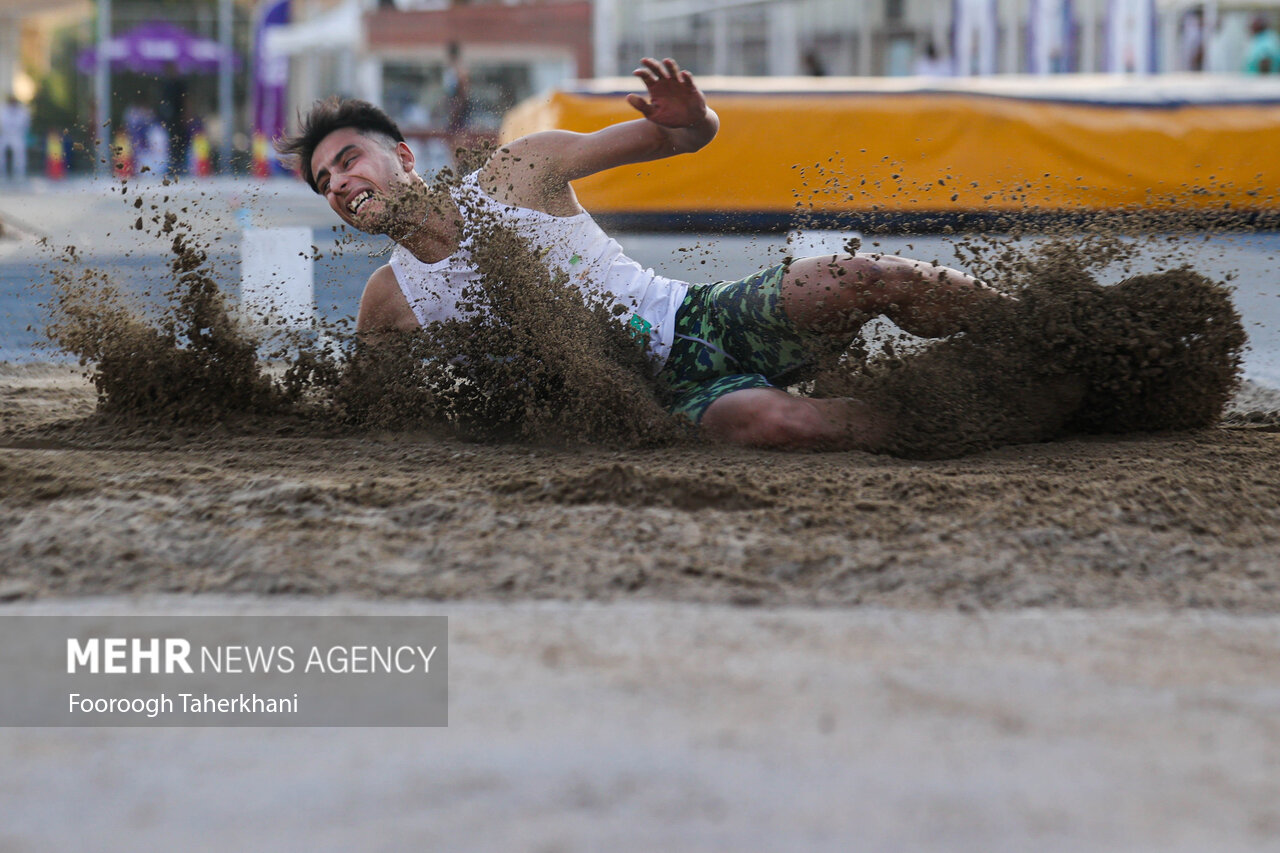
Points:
(574, 245)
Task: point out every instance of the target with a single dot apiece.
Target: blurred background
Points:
(199, 87)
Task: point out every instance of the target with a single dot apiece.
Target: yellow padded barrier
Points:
(853, 145)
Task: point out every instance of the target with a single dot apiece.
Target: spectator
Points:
(1192, 40)
(154, 157)
(931, 64)
(457, 91)
(15, 123)
(1263, 53)
(137, 119)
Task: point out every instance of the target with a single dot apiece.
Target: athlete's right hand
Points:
(674, 101)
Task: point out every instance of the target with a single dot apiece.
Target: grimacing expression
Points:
(361, 175)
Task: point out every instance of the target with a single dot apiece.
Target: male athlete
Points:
(725, 348)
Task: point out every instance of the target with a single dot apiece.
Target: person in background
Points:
(930, 64)
(15, 123)
(457, 91)
(1191, 40)
(138, 118)
(153, 158)
(1263, 53)
(813, 65)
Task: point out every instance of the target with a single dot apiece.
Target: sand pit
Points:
(639, 727)
(1151, 521)
(194, 470)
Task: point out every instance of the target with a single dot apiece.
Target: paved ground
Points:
(674, 727)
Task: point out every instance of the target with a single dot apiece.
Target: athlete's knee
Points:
(789, 422)
(888, 278)
(767, 420)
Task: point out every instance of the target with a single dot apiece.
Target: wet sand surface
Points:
(1176, 520)
(645, 727)
(1062, 647)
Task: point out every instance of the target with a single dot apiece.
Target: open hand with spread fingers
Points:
(674, 101)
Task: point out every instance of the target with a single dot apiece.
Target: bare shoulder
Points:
(530, 172)
(383, 306)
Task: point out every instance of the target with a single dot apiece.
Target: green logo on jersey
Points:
(639, 326)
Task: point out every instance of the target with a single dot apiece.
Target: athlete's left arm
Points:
(676, 120)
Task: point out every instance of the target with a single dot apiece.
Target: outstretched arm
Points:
(676, 120)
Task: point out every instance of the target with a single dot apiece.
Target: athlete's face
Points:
(365, 177)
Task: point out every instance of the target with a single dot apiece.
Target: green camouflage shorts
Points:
(733, 335)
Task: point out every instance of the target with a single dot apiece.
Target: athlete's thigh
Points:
(747, 319)
(834, 294)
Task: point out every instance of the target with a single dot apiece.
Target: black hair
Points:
(324, 118)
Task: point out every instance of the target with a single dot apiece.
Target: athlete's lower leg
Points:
(770, 417)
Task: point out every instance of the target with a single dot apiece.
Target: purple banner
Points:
(270, 73)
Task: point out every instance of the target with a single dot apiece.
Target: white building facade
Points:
(892, 37)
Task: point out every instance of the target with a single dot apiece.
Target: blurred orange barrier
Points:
(876, 149)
